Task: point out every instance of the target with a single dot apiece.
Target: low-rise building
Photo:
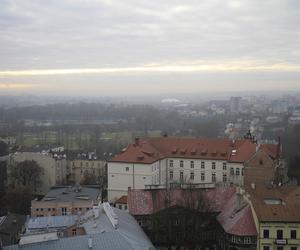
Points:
(214, 218)
(277, 217)
(61, 201)
(101, 228)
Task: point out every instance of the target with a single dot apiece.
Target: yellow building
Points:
(277, 217)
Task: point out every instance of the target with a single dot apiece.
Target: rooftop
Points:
(101, 234)
(68, 193)
(151, 149)
(276, 204)
(50, 222)
(145, 202)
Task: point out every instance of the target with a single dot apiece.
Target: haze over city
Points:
(116, 48)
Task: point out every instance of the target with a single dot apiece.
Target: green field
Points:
(82, 140)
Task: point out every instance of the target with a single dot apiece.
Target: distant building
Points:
(280, 107)
(61, 201)
(165, 161)
(121, 203)
(11, 227)
(236, 104)
(82, 165)
(54, 167)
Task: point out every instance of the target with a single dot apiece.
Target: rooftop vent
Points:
(193, 151)
(90, 243)
(183, 151)
(234, 151)
(174, 150)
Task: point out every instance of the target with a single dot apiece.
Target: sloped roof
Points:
(122, 200)
(288, 209)
(151, 149)
(145, 202)
(106, 241)
(271, 150)
(236, 218)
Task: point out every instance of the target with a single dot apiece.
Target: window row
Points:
(192, 176)
(279, 234)
(192, 164)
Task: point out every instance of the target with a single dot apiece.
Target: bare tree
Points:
(27, 174)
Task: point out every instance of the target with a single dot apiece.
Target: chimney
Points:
(136, 141)
(90, 243)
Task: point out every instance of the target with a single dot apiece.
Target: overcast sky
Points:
(132, 47)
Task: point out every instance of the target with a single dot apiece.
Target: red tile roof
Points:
(122, 200)
(143, 202)
(222, 200)
(149, 150)
(235, 220)
(288, 210)
(271, 149)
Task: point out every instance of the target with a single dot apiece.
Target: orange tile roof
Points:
(151, 149)
(122, 200)
(270, 149)
(287, 211)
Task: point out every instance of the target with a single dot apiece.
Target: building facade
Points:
(163, 161)
(62, 201)
(54, 168)
(86, 167)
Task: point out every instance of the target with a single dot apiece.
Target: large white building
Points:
(161, 161)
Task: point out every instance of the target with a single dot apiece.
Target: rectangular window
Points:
(192, 164)
(74, 232)
(231, 171)
(294, 248)
(237, 171)
(181, 164)
(202, 164)
(202, 176)
(192, 176)
(63, 211)
(247, 240)
(293, 234)
(279, 234)
(127, 169)
(213, 177)
(266, 234)
(224, 178)
(213, 165)
(266, 248)
(279, 248)
(171, 175)
(181, 176)
(224, 166)
(171, 163)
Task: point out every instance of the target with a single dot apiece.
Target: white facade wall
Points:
(134, 175)
(205, 167)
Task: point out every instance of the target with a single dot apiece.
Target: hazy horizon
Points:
(142, 48)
